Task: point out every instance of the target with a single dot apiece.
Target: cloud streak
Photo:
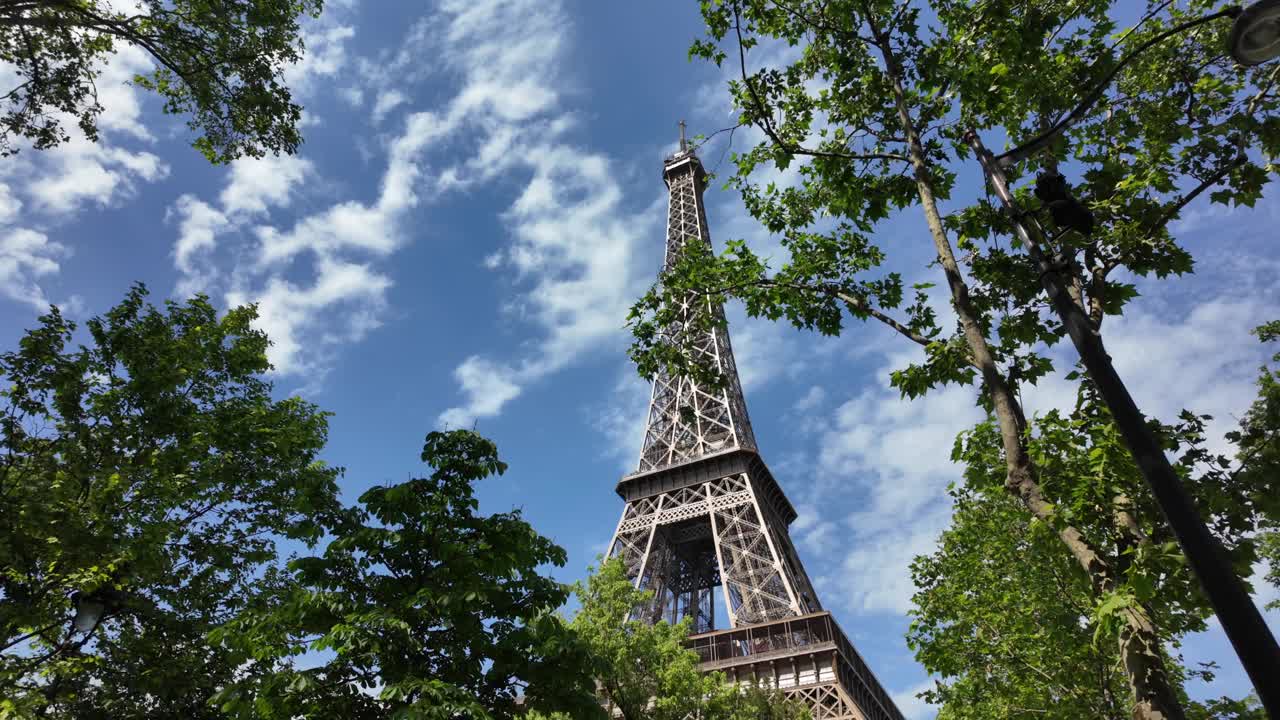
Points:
(573, 242)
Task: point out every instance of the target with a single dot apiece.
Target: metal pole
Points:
(1243, 624)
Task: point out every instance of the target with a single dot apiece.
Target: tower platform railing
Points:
(743, 652)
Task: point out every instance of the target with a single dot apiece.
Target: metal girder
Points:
(663, 539)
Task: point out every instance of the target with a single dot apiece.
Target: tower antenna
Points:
(683, 145)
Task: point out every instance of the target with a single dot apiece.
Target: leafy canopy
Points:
(1005, 617)
(1258, 440)
(1012, 637)
(220, 62)
(419, 607)
(1002, 617)
(147, 473)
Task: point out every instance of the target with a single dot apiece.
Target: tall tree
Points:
(870, 104)
(1011, 636)
(419, 607)
(221, 62)
(145, 478)
(645, 672)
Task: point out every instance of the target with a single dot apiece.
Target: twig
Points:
(766, 124)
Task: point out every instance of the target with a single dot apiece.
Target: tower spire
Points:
(719, 420)
(704, 517)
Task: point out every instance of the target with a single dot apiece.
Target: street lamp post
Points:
(1255, 38)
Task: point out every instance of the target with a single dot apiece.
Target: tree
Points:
(645, 672)
(871, 108)
(1258, 440)
(419, 607)
(219, 61)
(1013, 636)
(1003, 617)
(145, 480)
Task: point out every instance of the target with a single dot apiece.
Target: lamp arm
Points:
(1023, 151)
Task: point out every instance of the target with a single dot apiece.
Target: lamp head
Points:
(89, 611)
(1255, 34)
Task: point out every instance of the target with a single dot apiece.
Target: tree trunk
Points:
(1144, 665)
(1153, 694)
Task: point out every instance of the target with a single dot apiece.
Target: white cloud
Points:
(57, 183)
(1204, 360)
(352, 96)
(893, 455)
(1264, 593)
(487, 386)
(810, 400)
(308, 119)
(811, 531)
(387, 101)
(1203, 216)
(9, 205)
(579, 248)
(80, 171)
(764, 349)
(259, 183)
(574, 245)
(26, 255)
(325, 55)
(508, 51)
(254, 186)
(621, 417)
(304, 321)
(344, 297)
(352, 225)
(197, 237)
(572, 240)
(122, 106)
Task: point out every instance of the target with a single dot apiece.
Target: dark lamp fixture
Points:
(1255, 34)
(88, 612)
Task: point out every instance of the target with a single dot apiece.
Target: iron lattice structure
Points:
(704, 514)
(719, 416)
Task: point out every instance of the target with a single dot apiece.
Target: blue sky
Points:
(477, 203)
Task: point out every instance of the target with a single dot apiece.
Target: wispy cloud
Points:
(912, 707)
(487, 385)
(26, 255)
(573, 241)
(620, 417)
(890, 456)
(46, 189)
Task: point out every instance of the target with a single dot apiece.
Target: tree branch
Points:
(766, 124)
(1172, 211)
(854, 303)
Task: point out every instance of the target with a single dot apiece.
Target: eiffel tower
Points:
(703, 514)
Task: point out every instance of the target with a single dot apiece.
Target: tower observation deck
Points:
(704, 515)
